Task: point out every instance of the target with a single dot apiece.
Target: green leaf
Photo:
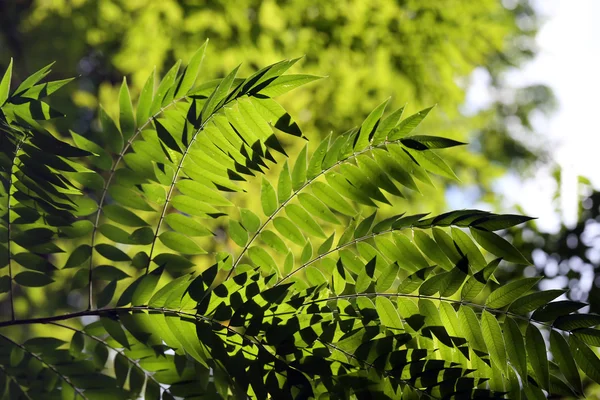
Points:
(5, 83)
(515, 347)
(180, 243)
(121, 367)
(202, 193)
(326, 245)
(387, 125)
(408, 125)
(32, 279)
(261, 258)
(77, 343)
(338, 279)
(388, 313)
(367, 129)
(16, 356)
(285, 83)
(422, 142)
(145, 99)
(586, 359)
(34, 78)
(534, 300)
(237, 233)
(128, 198)
(189, 205)
(303, 220)
(498, 246)
(317, 208)
(387, 277)
(431, 249)
(284, 185)
(433, 163)
(289, 230)
(472, 329)
(536, 353)
(78, 256)
(123, 216)
(575, 321)
(112, 252)
(172, 262)
(126, 116)
(218, 94)
(564, 358)
(112, 135)
(186, 225)
(115, 331)
(109, 273)
(143, 291)
(43, 345)
(191, 72)
(589, 336)
(250, 221)
(299, 171)
(276, 116)
(161, 97)
(5, 284)
(499, 222)
(102, 160)
(273, 241)
(268, 197)
(466, 245)
(106, 294)
(492, 335)
(551, 311)
(509, 292)
(363, 228)
(316, 160)
(332, 199)
(306, 254)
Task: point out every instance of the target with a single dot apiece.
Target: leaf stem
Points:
(176, 175)
(338, 248)
(50, 366)
(444, 299)
(12, 378)
(122, 353)
(111, 175)
(8, 225)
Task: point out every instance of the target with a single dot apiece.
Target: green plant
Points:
(274, 306)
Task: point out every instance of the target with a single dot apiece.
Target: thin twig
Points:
(50, 366)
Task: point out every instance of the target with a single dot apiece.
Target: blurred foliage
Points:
(419, 52)
(570, 258)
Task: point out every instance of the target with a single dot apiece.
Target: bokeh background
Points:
(516, 79)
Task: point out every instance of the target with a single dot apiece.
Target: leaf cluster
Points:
(312, 295)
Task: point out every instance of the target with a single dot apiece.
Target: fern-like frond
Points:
(212, 269)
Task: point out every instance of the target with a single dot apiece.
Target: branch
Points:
(12, 378)
(50, 366)
(293, 195)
